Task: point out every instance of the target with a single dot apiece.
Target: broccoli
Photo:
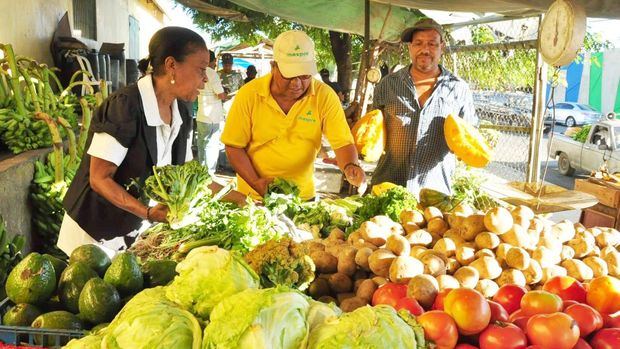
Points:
(282, 263)
(182, 188)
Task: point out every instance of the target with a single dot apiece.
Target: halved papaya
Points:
(466, 142)
(369, 135)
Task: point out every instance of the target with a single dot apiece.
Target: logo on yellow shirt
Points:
(307, 118)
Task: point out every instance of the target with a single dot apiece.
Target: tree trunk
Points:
(341, 49)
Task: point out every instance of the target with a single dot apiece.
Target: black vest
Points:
(122, 116)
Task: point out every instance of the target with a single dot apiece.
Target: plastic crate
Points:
(46, 338)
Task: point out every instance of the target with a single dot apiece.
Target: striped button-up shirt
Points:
(416, 154)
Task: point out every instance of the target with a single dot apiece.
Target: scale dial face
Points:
(562, 32)
(373, 75)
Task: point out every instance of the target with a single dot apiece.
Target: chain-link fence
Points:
(498, 60)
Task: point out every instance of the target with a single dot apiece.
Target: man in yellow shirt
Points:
(275, 124)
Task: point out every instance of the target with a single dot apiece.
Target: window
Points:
(134, 38)
(85, 18)
(563, 106)
(585, 107)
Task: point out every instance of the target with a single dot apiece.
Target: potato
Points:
(455, 235)
(453, 265)
(341, 297)
(346, 261)
(336, 234)
(511, 276)
(467, 276)
(412, 216)
(437, 226)
(334, 247)
(551, 271)
(501, 251)
(595, 252)
(534, 273)
(455, 220)
(598, 266)
(545, 257)
(517, 236)
(594, 231)
(350, 304)
(380, 261)
(398, 245)
(374, 233)
(366, 289)
(432, 212)
(365, 244)
(607, 238)
(361, 258)
(420, 238)
(447, 281)
(404, 268)
(485, 252)
(465, 255)
(548, 240)
(487, 287)
(388, 224)
(411, 227)
(537, 225)
(354, 237)
(327, 299)
(324, 261)
(319, 287)
(416, 251)
(581, 246)
(534, 238)
(612, 259)
(606, 250)
(314, 246)
(487, 240)
(435, 238)
(424, 289)
(578, 269)
(340, 283)
(522, 215)
(567, 253)
(433, 264)
(379, 280)
(564, 231)
(518, 258)
(498, 220)
(360, 274)
(472, 226)
(488, 267)
(447, 246)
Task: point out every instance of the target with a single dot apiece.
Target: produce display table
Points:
(607, 212)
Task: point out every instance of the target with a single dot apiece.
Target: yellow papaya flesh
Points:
(369, 135)
(466, 142)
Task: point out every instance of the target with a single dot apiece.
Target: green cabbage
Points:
(365, 327)
(150, 321)
(206, 276)
(275, 318)
(88, 342)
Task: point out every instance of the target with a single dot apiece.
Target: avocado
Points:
(61, 320)
(124, 273)
(159, 272)
(32, 281)
(99, 301)
(92, 256)
(72, 282)
(59, 265)
(22, 314)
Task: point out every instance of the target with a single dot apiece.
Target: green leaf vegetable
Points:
(282, 197)
(390, 203)
(282, 263)
(183, 188)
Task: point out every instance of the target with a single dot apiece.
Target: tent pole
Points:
(538, 114)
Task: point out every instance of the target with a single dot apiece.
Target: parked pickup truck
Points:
(603, 143)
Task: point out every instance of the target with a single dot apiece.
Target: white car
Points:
(571, 114)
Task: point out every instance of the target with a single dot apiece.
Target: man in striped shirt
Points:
(415, 102)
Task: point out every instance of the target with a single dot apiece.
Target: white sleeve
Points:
(189, 156)
(106, 147)
(215, 81)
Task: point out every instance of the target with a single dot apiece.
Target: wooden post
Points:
(538, 116)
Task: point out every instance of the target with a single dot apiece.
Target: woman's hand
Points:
(158, 213)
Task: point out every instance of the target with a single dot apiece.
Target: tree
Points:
(331, 47)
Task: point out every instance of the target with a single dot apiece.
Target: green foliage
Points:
(390, 203)
(582, 134)
(282, 197)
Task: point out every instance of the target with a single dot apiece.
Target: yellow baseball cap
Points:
(293, 51)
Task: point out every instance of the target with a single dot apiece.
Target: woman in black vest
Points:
(140, 126)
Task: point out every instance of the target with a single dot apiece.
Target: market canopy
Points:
(389, 17)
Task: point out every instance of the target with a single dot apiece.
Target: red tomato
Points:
(604, 294)
(540, 302)
(588, 319)
(557, 331)
(582, 344)
(568, 288)
(410, 304)
(507, 336)
(389, 294)
(522, 322)
(469, 309)
(607, 338)
(517, 314)
(567, 304)
(509, 296)
(441, 296)
(498, 313)
(465, 346)
(440, 328)
(611, 320)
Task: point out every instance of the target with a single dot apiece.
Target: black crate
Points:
(46, 338)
